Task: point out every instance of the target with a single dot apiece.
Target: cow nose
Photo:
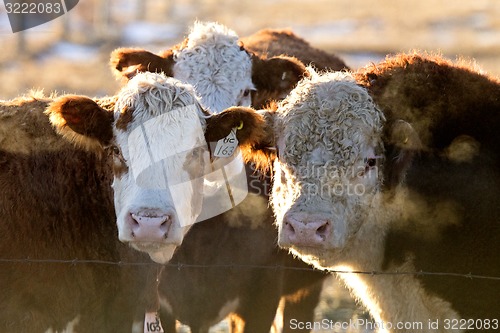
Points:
(150, 226)
(305, 230)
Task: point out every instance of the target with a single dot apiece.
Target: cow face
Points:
(327, 174)
(157, 131)
(328, 171)
(213, 61)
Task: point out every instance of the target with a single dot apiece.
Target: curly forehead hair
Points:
(329, 109)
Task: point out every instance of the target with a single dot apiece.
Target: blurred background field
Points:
(70, 54)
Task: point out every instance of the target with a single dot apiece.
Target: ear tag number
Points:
(225, 147)
(152, 323)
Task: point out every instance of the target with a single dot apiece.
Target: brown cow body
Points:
(268, 43)
(276, 42)
(424, 169)
(455, 180)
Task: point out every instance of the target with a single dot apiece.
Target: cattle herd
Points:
(229, 177)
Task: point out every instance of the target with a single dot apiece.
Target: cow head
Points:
(158, 132)
(222, 72)
(329, 169)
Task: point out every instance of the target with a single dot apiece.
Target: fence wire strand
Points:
(180, 266)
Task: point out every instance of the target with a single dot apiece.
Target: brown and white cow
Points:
(215, 63)
(157, 131)
(410, 188)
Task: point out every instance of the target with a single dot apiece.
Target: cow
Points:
(56, 209)
(268, 43)
(216, 64)
(389, 177)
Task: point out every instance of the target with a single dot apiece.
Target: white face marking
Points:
(327, 172)
(165, 175)
(159, 195)
(160, 182)
(153, 166)
(214, 63)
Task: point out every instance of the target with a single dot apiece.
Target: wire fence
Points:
(276, 267)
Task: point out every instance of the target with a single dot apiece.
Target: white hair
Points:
(215, 64)
(154, 94)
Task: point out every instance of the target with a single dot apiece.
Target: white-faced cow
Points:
(408, 188)
(158, 191)
(215, 63)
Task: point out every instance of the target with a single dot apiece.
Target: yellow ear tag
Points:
(240, 126)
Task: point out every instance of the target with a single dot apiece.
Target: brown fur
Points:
(126, 62)
(444, 101)
(82, 121)
(24, 128)
(274, 78)
(269, 43)
(276, 42)
(125, 118)
(251, 123)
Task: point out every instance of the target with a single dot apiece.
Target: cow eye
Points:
(246, 93)
(115, 150)
(117, 154)
(371, 162)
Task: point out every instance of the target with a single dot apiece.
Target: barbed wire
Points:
(180, 266)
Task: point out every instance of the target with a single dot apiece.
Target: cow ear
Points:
(126, 63)
(402, 144)
(248, 122)
(254, 132)
(275, 77)
(82, 121)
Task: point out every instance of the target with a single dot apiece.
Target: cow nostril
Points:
(289, 227)
(323, 230)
